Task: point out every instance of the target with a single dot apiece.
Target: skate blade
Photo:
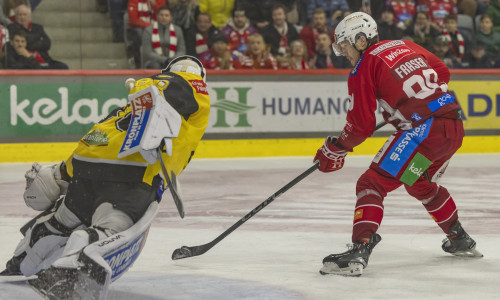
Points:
(469, 253)
(353, 270)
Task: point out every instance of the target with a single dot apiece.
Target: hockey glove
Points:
(329, 156)
(44, 185)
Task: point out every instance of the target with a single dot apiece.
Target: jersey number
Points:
(427, 84)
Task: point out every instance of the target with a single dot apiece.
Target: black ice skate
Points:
(459, 243)
(12, 268)
(353, 261)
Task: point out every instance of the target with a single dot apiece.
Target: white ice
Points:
(277, 253)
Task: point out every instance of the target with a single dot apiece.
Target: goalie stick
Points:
(186, 251)
(172, 185)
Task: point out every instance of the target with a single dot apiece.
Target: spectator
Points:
(404, 10)
(162, 41)
(280, 33)
(387, 28)
(297, 58)
(371, 7)
(441, 48)
(489, 38)
(17, 56)
(220, 57)
(4, 19)
(482, 5)
(197, 37)
(467, 7)
(437, 10)
(140, 15)
(219, 10)
(458, 42)
(332, 8)
(324, 57)
(309, 34)
(9, 8)
(183, 13)
(493, 11)
(479, 58)
(258, 12)
(117, 9)
(422, 31)
(38, 42)
(257, 56)
(237, 31)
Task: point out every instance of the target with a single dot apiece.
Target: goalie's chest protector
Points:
(96, 156)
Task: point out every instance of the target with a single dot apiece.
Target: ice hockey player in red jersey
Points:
(410, 85)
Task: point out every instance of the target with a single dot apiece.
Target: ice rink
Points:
(277, 253)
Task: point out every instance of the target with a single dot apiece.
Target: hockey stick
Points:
(172, 185)
(186, 251)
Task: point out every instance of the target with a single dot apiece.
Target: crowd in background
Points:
(266, 34)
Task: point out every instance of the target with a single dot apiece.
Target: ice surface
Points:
(277, 253)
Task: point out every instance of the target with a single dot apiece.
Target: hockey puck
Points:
(182, 252)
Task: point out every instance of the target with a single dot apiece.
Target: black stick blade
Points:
(181, 253)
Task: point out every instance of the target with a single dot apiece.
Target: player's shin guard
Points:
(368, 214)
(442, 209)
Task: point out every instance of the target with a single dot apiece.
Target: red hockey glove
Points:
(330, 157)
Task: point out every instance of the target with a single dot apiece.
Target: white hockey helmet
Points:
(351, 28)
(186, 63)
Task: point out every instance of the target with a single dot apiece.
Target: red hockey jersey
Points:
(408, 82)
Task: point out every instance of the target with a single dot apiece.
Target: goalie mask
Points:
(351, 28)
(186, 63)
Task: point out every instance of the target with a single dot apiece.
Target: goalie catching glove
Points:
(329, 156)
(44, 185)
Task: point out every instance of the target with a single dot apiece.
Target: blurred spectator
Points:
(38, 42)
(482, 5)
(280, 33)
(17, 56)
(220, 57)
(219, 10)
(183, 13)
(494, 11)
(34, 4)
(4, 39)
(297, 58)
(9, 7)
(257, 11)
(197, 37)
(237, 30)
(4, 19)
(162, 41)
(371, 7)
(422, 31)
(489, 38)
(117, 9)
(324, 57)
(437, 10)
(257, 57)
(332, 8)
(479, 58)
(457, 41)
(467, 7)
(340, 18)
(140, 15)
(404, 10)
(441, 48)
(387, 28)
(309, 34)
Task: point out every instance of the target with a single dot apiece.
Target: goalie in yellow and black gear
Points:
(113, 180)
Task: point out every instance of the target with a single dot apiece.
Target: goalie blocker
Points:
(88, 273)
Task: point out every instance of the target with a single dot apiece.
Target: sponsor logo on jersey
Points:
(416, 168)
(199, 86)
(416, 117)
(358, 214)
(404, 147)
(96, 138)
(354, 70)
(440, 102)
(406, 68)
(386, 46)
(393, 55)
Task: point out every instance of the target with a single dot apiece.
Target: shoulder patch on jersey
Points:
(199, 86)
(386, 46)
(392, 52)
(96, 138)
(354, 70)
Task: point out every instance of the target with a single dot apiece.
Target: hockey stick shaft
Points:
(186, 251)
(172, 186)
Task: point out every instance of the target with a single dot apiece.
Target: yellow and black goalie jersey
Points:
(96, 156)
